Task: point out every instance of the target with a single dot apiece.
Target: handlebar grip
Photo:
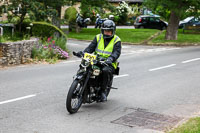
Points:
(74, 53)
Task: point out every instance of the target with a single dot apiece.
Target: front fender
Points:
(79, 76)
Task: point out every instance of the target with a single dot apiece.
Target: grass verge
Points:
(138, 36)
(182, 38)
(126, 35)
(191, 126)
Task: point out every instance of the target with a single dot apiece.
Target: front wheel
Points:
(74, 99)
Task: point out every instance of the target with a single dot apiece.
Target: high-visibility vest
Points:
(106, 52)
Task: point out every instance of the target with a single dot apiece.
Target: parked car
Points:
(150, 22)
(188, 21)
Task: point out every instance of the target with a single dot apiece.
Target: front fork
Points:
(85, 76)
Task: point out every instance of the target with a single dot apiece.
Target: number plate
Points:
(90, 57)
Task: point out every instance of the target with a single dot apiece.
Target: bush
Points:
(50, 50)
(16, 37)
(45, 30)
(70, 14)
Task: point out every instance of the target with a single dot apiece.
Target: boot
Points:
(103, 96)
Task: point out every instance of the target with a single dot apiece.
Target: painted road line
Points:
(187, 61)
(17, 99)
(73, 61)
(125, 75)
(163, 67)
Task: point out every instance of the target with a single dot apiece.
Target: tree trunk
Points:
(56, 21)
(21, 21)
(172, 29)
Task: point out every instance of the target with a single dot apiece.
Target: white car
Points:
(189, 20)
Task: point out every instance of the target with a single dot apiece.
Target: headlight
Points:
(85, 63)
(96, 72)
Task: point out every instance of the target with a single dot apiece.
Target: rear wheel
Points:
(74, 99)
(109, 87)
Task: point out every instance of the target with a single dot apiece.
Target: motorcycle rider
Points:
(108, 46)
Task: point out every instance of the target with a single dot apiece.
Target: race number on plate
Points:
(91, 57)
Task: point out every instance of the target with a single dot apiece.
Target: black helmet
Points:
(110, 26)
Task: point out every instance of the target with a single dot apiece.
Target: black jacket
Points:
(116, 50)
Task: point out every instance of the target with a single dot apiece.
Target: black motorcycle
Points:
(82, 22)
(86, 86)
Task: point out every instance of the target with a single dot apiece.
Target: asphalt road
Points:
(155, 82)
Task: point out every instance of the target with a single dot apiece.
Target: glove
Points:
(80, 54)
(109, 61)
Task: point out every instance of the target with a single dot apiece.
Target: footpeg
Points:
(113, 88)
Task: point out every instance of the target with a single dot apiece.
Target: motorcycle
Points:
(86, 86)
(99, 20)
(82, 22)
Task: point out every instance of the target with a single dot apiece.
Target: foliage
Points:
(49, 51)
(122, 11)
(183, 8)
(18, 10)
(174, 11)
(89, 8)
(45, 30)
(134, 11)
(70, 15)
(7, 37)
(37, 10)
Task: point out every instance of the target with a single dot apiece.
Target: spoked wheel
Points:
(74, 99)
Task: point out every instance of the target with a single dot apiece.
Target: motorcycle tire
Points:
(109, 87)
(73, 94)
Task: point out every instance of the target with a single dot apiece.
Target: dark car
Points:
(150, 22)
(188, 21)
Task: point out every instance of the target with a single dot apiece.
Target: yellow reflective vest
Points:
(106, 52)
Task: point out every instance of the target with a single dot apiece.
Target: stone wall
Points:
(15, 53)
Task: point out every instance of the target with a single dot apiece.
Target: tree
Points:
(177, 9)
(57, 6)
(88, 7)
(19, 9)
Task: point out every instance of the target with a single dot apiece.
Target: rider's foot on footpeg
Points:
(103, 97)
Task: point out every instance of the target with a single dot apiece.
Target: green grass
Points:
(192, 126)
(126, 35)
(182, 38)
(12, 38)
(16, 37)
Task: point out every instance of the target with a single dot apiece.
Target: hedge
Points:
(45, 30)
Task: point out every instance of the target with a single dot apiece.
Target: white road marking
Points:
(77, 43)
(187, 61)
(148, 50)
(17, 99)
(73, 61)
(163, 67)
(125, 75)
(73, 43)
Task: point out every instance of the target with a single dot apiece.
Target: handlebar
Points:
(99, 59)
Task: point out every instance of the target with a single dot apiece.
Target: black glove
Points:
(109, 61)
(80, 54)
